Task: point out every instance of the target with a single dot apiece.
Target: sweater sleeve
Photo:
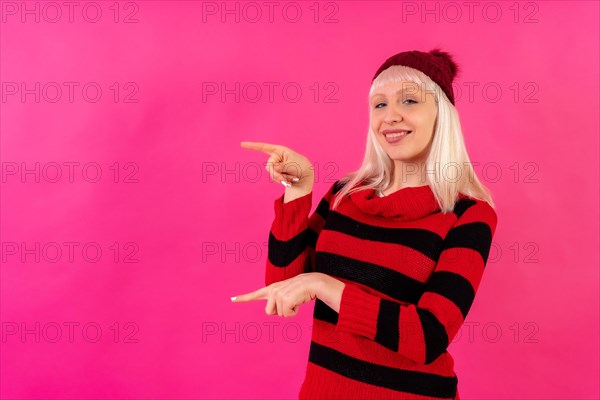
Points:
(293, 236)
(422, 332)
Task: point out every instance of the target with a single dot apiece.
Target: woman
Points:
(395, 251)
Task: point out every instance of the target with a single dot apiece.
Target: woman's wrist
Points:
(294, 193)
(329, 290)
(300, 189)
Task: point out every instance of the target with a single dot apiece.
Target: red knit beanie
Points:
(438, 65)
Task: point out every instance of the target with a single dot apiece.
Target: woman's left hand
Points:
(285, 297)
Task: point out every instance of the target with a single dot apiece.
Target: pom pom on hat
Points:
(454, 69)
(437, 64)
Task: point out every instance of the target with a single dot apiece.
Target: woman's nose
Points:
(392, 114)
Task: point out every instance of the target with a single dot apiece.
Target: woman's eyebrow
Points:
(397, 91)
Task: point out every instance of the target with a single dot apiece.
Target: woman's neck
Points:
(408, 176)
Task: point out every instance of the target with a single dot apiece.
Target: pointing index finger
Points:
(264, 147)
(260, 294)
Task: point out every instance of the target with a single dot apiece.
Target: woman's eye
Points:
(411, 100)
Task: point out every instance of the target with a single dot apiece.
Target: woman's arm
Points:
(293, 234)
(421, 332)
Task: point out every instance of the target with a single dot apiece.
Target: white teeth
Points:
(393, 135)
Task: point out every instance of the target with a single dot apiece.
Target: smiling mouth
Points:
(396, 134)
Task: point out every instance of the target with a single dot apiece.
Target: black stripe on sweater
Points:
(323, 208)
(312, 238)
(385, 280)
(325, 313)
(422, 240)
(474, 235)
(463, 205)
(454, 287)
(337, 186)
(388, 332)
(436, 338)
(282, 253)
(421, 383)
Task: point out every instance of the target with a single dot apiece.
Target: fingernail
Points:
(295, 179)
(284, 183)
(233, 298)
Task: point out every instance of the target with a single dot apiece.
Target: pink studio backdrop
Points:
(130, 214)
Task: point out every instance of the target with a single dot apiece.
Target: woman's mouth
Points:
(395, 137)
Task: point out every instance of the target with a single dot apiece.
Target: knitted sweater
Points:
(410, 272)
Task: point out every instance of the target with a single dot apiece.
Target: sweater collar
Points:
(407, 204)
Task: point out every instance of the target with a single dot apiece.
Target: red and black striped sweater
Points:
(410, 272)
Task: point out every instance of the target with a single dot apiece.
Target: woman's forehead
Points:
(397, 87)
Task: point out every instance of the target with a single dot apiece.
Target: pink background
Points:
(194, 209)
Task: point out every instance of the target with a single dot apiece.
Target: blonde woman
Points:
(395, 251)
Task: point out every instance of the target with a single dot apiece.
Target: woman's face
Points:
(405, 106)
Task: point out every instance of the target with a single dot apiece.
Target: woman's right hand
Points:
(285, 165)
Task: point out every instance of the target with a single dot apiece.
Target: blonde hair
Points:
(447, 149)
